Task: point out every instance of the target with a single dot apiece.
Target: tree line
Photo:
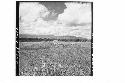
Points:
(49, 39)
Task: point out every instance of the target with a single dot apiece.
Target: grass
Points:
(55, 59)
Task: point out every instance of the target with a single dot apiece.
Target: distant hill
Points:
(35, 36)
(51, 37)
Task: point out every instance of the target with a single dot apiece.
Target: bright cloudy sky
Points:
(55, 18)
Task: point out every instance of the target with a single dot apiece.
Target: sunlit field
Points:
(55, 58)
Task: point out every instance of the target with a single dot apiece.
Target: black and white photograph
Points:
(54, 38)
(56, 41)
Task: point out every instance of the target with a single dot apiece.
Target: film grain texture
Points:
(54, 38)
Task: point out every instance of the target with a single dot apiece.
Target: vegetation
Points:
(55, 58)
(39, 38)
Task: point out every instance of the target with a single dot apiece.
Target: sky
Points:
(55, 18)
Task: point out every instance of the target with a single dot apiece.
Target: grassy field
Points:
(55, 58)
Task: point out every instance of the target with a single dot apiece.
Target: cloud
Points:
(76, 13)
(30, 11)
(33, 15)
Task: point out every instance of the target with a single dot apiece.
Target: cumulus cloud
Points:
(31, 14)
(76, 13)
(31, 11)
(32, 20)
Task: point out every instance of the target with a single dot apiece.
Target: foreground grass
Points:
(55, 59)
